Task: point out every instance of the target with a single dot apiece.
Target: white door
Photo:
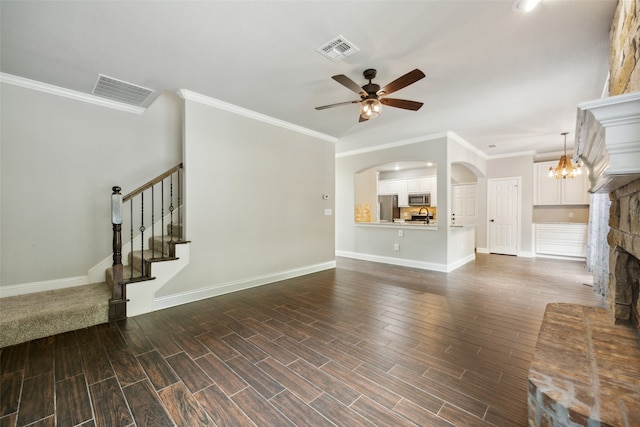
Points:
(503, 215)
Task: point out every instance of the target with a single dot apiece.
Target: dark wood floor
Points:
(364, 344)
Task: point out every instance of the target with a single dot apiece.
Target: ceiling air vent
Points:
(338, 49)
(117, 90)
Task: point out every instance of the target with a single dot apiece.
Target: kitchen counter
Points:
(387, 224)
(414, 244)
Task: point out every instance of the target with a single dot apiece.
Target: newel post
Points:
(118, 302)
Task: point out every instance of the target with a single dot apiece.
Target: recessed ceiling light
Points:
(524, 5)
(492, 146)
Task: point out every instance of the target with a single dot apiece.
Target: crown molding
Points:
(457, 138)
(518, 154)
(68, 93)
(608, 140)
(392, 144)
(216, 103)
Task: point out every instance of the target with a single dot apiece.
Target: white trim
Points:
(526, 254)
(448, 134)
(68, 93)
(459, 263)
(482, 250)
(212, 102)
(46, 285)
(521, 153)
(567, 258)
(423, 265)
(212, 291)
(392, 144)
(457, 138)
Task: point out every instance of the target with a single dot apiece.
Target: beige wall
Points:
(578, 214)
(624, 57)
(254, 202)
(512, 167)
(60, 158)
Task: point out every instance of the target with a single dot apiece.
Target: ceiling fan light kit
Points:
(370, 109)
(372, 97)
(524, 5)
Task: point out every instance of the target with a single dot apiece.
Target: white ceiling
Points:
(494, 76)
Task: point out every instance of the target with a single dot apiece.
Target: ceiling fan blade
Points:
(324, 107)
(403, 81)
(401, 103)
(349, 84)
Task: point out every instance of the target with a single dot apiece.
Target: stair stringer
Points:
(140, 295)
(96, 273)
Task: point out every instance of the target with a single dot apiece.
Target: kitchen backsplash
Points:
(363, 212)
(405, 213)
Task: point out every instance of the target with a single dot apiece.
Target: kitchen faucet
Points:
(420, 212)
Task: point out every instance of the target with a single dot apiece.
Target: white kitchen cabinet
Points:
(552, 191)
(431, 186)
(561, 239)
(403, 195)
(463, 204)
(420, 185)
(404, 187)
(395, 187)
(388, 187)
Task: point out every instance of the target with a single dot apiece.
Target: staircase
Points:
(42, 314)
(148, 270)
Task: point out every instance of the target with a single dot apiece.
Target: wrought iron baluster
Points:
(171, 208)
(142, 233)
(131, 241)
(162, 215)
(179, 206)
(153, 222)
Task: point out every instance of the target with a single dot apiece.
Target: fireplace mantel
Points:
(608, 140)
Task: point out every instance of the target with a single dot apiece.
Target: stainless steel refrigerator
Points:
(388, 208)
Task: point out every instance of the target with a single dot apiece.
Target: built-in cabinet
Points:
(404, 187)
(561, 239)
(552, 191)
(463, 204)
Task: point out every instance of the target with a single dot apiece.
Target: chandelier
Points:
(565, 168)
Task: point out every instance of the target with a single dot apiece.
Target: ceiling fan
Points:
(372, 97)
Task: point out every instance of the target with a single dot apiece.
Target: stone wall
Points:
(624, 57)
(624, 254)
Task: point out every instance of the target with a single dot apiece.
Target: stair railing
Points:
(140, 218)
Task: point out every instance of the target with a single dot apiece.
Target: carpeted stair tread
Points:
(41, 314)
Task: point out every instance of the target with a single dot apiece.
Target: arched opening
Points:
(396, 191)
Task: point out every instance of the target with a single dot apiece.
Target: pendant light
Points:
(565, 168)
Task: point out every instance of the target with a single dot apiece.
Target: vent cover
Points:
(338, 49)
(117, 90)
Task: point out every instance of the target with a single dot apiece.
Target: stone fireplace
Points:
(586, 365)
(624, 255)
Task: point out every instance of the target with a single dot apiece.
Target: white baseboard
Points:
(444, 268)
(47, 285)
(526, 254)
(459, 263)
(567, 258)
(200, 294)
(482, 250)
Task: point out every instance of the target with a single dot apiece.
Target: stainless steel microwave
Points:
(420, 199)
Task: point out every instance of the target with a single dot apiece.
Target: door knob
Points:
(491, 220)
